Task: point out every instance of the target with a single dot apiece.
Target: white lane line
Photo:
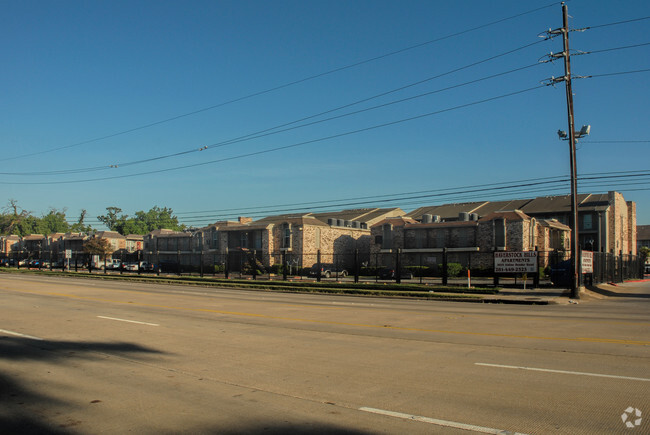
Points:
(438, 422)
(130, 321)
(565, 372)
(18, 334)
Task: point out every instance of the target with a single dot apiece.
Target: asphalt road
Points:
(93, 356)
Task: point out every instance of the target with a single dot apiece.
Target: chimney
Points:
(245, 220)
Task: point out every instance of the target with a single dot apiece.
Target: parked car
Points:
(328, 270)
(389, 273)
(132, 267)
(113, 264)
(147, 267)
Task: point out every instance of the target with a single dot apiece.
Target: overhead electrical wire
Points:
(280, 148)
(279, 128)
(482, 191)
(286, 85)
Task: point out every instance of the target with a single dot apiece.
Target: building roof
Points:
(643, 232)
(398, 221)
(33, 237)
(553, 223)
(109, 235)
(541, 205)
(511, 215)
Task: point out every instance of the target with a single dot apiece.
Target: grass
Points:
(342, 287)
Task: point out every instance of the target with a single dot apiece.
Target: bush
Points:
(453, 269)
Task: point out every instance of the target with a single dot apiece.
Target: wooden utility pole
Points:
(575, 259)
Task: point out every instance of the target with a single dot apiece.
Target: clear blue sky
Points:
(78, 75)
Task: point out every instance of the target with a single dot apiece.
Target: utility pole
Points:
(575, 259)
(576, 266)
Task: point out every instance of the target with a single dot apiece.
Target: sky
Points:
(218, 109)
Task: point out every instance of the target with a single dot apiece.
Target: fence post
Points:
(620, 262)
(444, 266)
(398, 275)
(254, 264)
(226, 264)
(536, 276)
(496, 276)
(318, 265)
(356, 265)
(284, 265)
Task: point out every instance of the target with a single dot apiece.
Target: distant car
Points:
(133, 267)
(389, 273)
(328, 270)
(113, 264)
(147, 267)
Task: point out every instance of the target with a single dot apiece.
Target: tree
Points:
(644, 252)
(53, 222)
(111, 218)
(143, 222)
(13, 221)
(98, 246)
(79, 226)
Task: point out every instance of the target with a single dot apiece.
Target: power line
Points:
(283, 86)
(270, 150)
(279, 128)
(615, 23)
(455, 194)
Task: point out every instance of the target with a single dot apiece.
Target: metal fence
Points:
(445, 267)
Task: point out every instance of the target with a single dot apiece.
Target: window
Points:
(587, 223)
(214, 243)
(387, 238)
(500, 233)
(286, 236)
(441, 238)
(244, 240)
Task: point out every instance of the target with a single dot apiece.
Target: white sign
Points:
(515, 262)
(68, 253)
(587, 262)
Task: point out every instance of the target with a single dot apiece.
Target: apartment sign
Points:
(515, 262)
(587, 262)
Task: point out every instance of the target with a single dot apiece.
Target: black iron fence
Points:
(447, 266)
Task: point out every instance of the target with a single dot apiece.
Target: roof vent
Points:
(435, 218)
(427, 218)
(473, 217)
(463, 216)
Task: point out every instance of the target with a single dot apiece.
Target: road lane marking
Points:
(18, 334)
(130, 321)
(438, 422)
(357, 325)
(565, 372)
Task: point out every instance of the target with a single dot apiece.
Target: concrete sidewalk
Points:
(551, 295)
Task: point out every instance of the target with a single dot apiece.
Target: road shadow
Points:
(617, 294)
(18, 400)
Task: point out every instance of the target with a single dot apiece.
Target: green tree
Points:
(644, 252)
(12, 221)
(53, 222)
(143, 222)
(112, 219)
(80, 226)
